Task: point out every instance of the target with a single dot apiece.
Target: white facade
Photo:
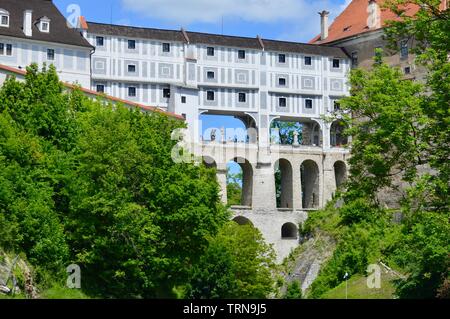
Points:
(72, 63)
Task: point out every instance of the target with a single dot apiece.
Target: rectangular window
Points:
(354, 59)
(100, 41)
(210, 75)
(404, 51)
(281, 58)
(241, 54)
(9, 49)
(210, 51)
(282, 102)
(282, 81)
(131, 68)
(44, 27)
(100, 88)
(5, 21)
(183, 99)
(407, 70)
(336, 63)
(166, 93)
(132, 91)
(308, 60)
(242, 97)
(131, 44)
(50, 54)
(210, 95)
(166, 47)
(308, 104)
(2, 49)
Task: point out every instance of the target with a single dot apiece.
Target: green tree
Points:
(294, 290)
(237, 264)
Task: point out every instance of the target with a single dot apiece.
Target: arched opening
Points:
(239, 182)
(340, 173)
(337, 134)
(289, 231)
(227, 127)
(209, 162)
(310, 184)
(294, 131)
(284, 184)
(241, 220)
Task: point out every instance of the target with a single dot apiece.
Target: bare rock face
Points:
(16, 276)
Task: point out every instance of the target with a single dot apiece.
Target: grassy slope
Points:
(357, 289)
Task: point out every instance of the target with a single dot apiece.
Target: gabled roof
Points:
(14, 71)
(353, 20)
(60, 32)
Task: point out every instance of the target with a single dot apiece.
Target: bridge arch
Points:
(310, 180)
(337, 136)
(340, 173)
(247, 180)
(289, 231)
(241, 220)
(284, 184)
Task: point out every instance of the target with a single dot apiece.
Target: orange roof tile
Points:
(105, 96)
(83, 23)
(353, 20)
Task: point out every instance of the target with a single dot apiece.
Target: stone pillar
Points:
(222, 180)
(297, 186)
(329, 181)
(264, 188)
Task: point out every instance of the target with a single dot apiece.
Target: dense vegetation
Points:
(93, 184)
(400, 134)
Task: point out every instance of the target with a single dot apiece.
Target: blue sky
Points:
(292, 20)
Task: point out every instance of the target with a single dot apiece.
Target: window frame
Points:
(50, 54)
(309, 59)
(282, 58)
(210, 50)
(131, 65)
(5, 25)
(210, 93)
(97, 38)
(166, 93)
(282, 98)
(166, 47)
(307, 101)
(338, 63)
(135, 91)
(208, 73)
(282, 79)
(9, 48)
(97, 88)
(133, 47)
(183, 99)
(244, 95)
(242, 55)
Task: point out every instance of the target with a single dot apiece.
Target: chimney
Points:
(324, 24)
(28, 22)
(374, 19)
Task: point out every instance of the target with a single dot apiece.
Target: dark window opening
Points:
(210, 95)
(281, 58)
(50, 54)
(308, 104)
(100, 41)
(355, 59)
(100, 88)
(183, 99)
(131, 68)
(308, 60)
(241, 54)
(210, 51)
(132, 91)
(166, 93)
(131, 44)
(242, 97)
(336, 63)
(282, 102)
(166, 47)
(282, 81)
(210, 75)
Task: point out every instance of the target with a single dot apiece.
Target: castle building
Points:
(191, 74)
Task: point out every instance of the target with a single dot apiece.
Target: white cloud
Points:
(211, 11)
(302, 15)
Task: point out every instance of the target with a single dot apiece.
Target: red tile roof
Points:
(353, 20)
(101, 95)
